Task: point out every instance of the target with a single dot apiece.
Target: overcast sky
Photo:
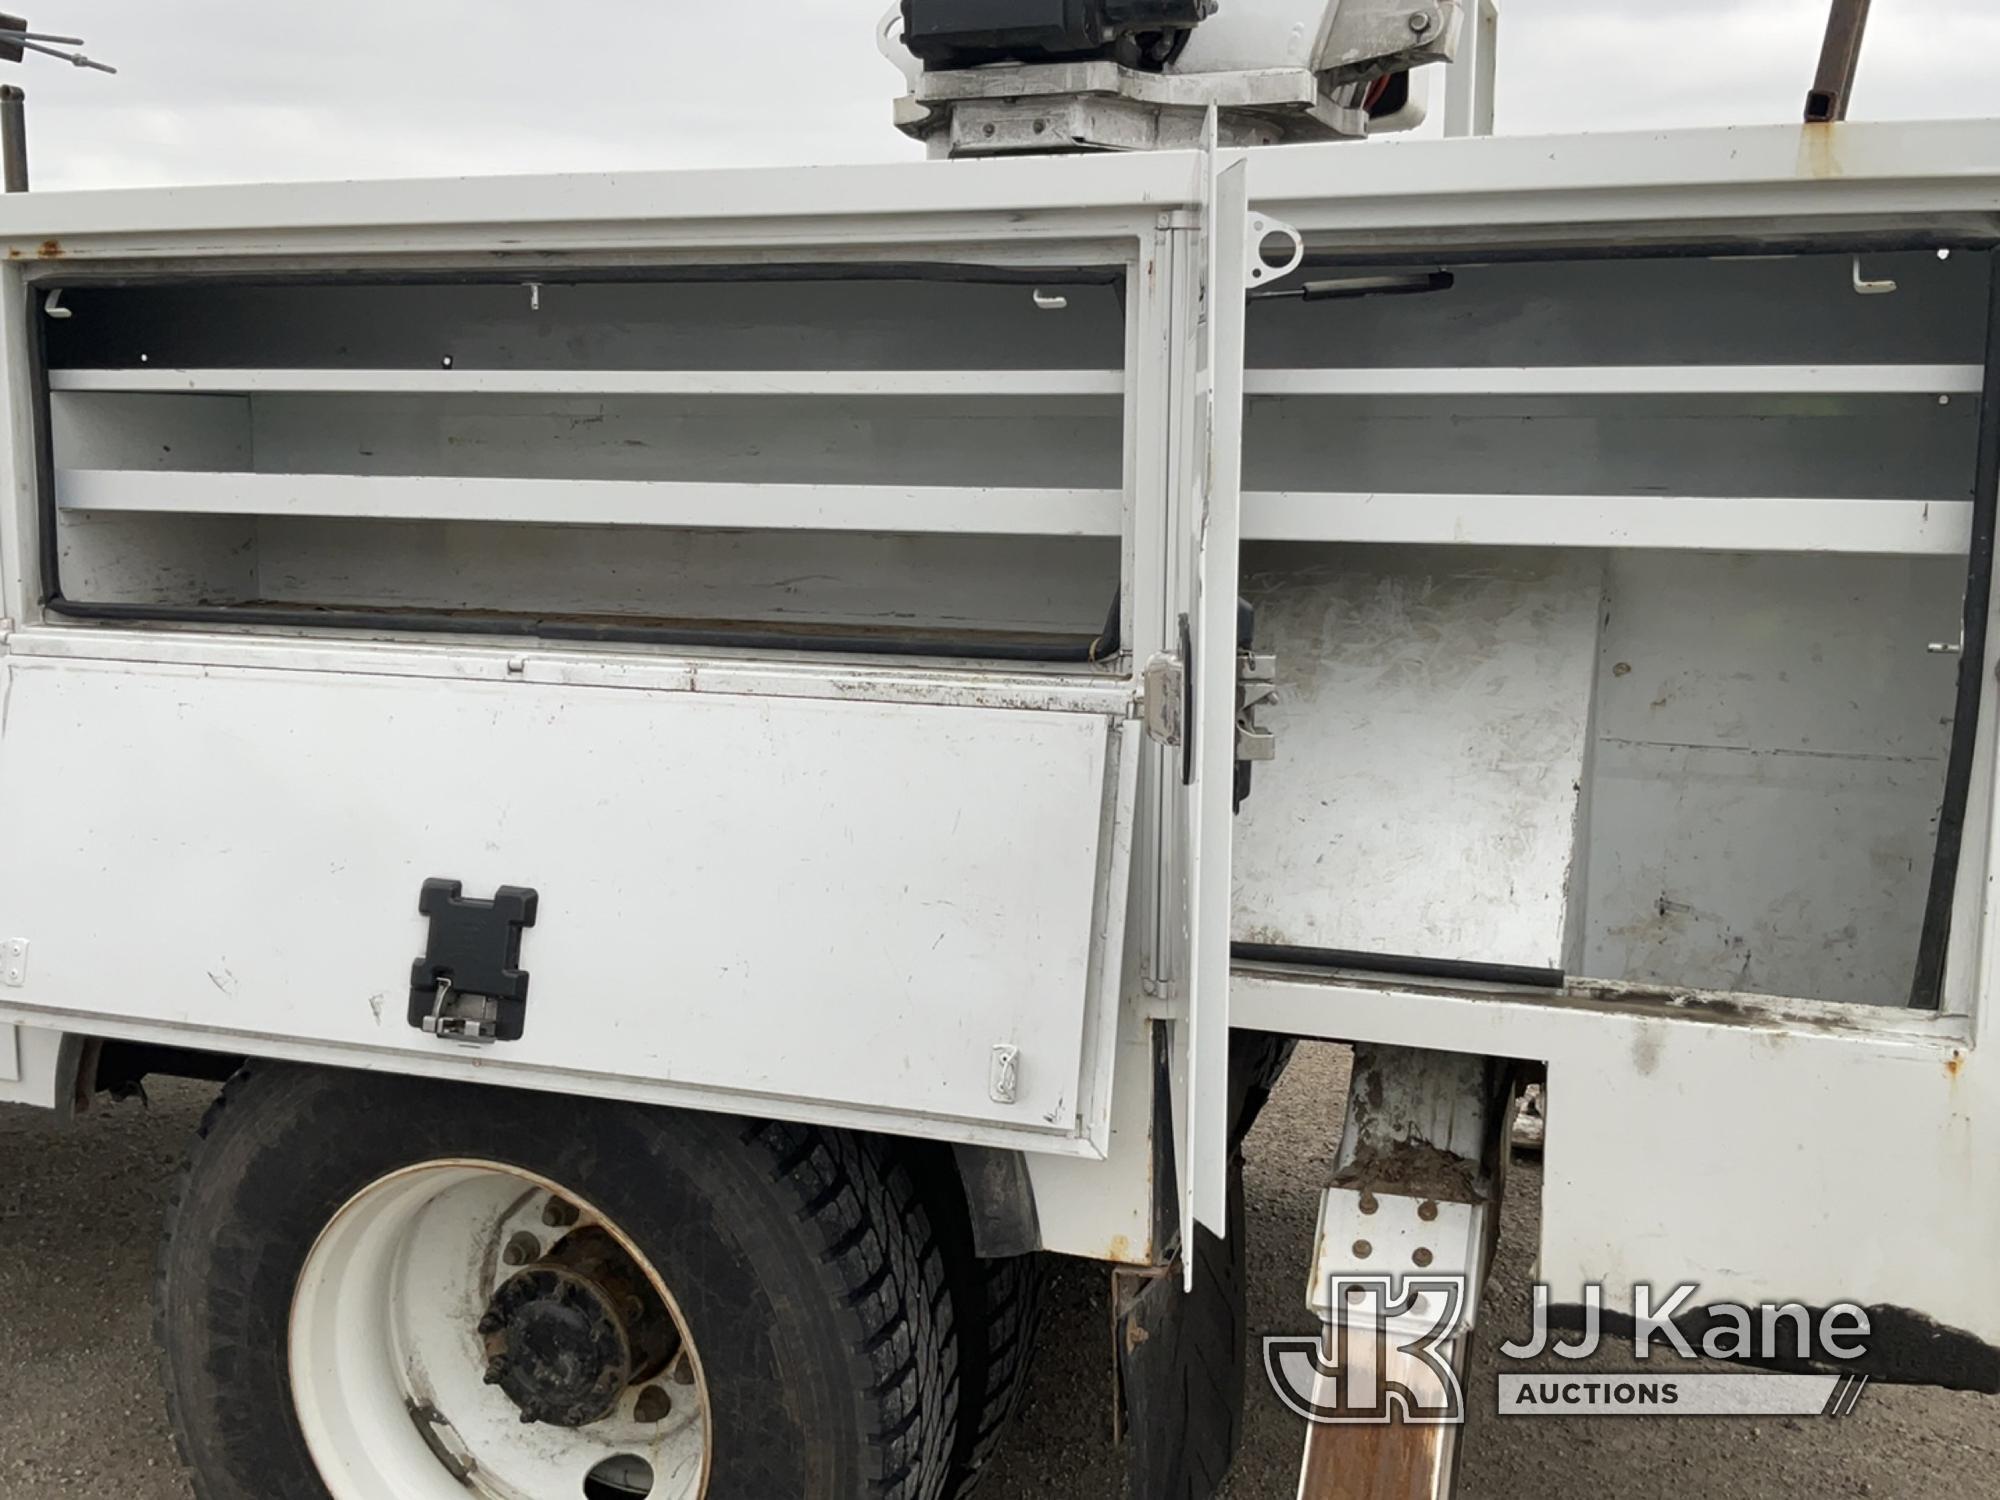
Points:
(223, 90)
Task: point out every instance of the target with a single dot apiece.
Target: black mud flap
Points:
(1180, 1367)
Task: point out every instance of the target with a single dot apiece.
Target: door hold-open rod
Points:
(1839, 59)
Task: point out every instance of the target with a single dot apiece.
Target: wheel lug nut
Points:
(559, 1214)
(496, 1370)
(490, 1324)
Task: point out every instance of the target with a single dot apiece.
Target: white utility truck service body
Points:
(820, 589)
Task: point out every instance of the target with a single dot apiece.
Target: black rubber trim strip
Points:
(1057, 651)
(1927, 985)
(1396, 963)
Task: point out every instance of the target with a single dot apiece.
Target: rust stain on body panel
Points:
(1818, 157)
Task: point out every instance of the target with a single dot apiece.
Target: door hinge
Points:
(1164, 689)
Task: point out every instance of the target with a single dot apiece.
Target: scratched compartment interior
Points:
(1674, 767)
(957, 579)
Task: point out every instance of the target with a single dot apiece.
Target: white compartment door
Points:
(860, 896)
(1210, 497)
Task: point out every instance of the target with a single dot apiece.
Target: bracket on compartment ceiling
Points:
(1867, 288)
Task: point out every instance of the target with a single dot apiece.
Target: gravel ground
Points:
(80, 1409)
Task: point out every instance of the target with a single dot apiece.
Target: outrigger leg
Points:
(1406, 1234)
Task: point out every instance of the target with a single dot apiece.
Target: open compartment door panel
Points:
(1209, 528)
(905, 908)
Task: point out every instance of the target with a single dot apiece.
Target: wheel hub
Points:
(382, 1342)
(556, 1347)
(567, 1335)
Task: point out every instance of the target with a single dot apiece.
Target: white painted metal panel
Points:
(1652, 184)
(849, 902)
(1748, 174)
(1433, 722)
(872, 204)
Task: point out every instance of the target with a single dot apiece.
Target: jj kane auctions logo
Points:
(1395, 1351)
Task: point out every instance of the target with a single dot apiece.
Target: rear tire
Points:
(801, 1264)
(997, 1318)
(1182, 1358)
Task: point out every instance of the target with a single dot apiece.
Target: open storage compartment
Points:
(1617, 606)
(925, 462)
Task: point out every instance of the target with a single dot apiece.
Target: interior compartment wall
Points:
(154, 559)
(1849, 447)
(1433, 725)
(694, 325)
(1781, 310)
(977, 441)
(1058, 584)
(1771, 742)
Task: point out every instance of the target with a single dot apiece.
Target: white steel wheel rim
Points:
(388, 1368)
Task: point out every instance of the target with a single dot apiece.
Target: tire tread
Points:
(878, 1240)
(1012, 1312)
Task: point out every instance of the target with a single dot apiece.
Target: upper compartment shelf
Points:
(455, 382)
(1623, 380)
(1678, 522)
(912, 509)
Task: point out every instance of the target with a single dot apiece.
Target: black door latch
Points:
(469, 986)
